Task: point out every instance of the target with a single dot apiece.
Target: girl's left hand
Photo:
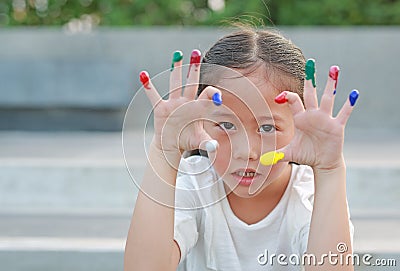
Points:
(319, 137)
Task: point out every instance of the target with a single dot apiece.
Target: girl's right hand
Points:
(178, 121)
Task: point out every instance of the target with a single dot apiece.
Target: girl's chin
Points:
(245, 190)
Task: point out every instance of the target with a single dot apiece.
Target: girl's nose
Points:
(248, 147)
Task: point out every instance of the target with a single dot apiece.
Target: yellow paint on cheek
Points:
(271, 158)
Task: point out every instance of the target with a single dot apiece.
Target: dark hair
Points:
(249, 48)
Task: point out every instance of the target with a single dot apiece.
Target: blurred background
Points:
(69, 70)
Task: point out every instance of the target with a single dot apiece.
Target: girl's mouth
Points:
(245, 176)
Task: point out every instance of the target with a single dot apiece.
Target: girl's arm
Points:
(330, 229)
(318, 142)
(150, 244)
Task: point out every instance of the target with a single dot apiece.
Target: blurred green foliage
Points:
(199, 12)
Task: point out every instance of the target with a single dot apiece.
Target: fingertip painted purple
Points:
(353, 97)
(217, 98)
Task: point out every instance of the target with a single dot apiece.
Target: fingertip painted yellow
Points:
(271, 158)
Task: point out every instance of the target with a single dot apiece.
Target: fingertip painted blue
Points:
(334, 92)
(217, 98)
(353, 97)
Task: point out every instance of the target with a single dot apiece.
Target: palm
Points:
(178, 120)
(318, 140)
(173, 119)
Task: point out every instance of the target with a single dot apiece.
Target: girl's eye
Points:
(267, 128)
(227, 125)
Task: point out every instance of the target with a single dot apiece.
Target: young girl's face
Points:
(249, 124)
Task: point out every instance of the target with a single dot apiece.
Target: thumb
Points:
(280, 155)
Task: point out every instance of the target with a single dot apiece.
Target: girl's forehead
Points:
(257, 82)
(249, 106)
(250, 96)
(248, 90)
(253, 100)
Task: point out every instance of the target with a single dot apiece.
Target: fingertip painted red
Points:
(144, 78)
(281, 98)
(195, 57)
(334, 73)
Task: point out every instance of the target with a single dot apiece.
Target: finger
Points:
(347, 108)
(193, 75)
(151, 92)
(210, 145)
(293, 99)
(206, 142)
(175, 79)
(211, 93)
(310, 91)
(328, 97)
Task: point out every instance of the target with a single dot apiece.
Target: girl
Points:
(225, 210)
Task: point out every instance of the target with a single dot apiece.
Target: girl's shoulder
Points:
(196, 168)
(198, 180)
(302, 175)
(193, 164)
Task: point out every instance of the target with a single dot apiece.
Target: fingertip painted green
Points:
(177, 56)
(310, 71)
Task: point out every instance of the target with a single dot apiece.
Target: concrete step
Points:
(52, 172)
(76, 241)
(104, 187)
(19, 231)
(106, 261)
(61, 260)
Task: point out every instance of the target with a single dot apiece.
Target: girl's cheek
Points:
(284, 138)
(276, 170)
(221, 158)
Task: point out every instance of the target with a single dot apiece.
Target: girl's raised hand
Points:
(178, 120)
(319, 137)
